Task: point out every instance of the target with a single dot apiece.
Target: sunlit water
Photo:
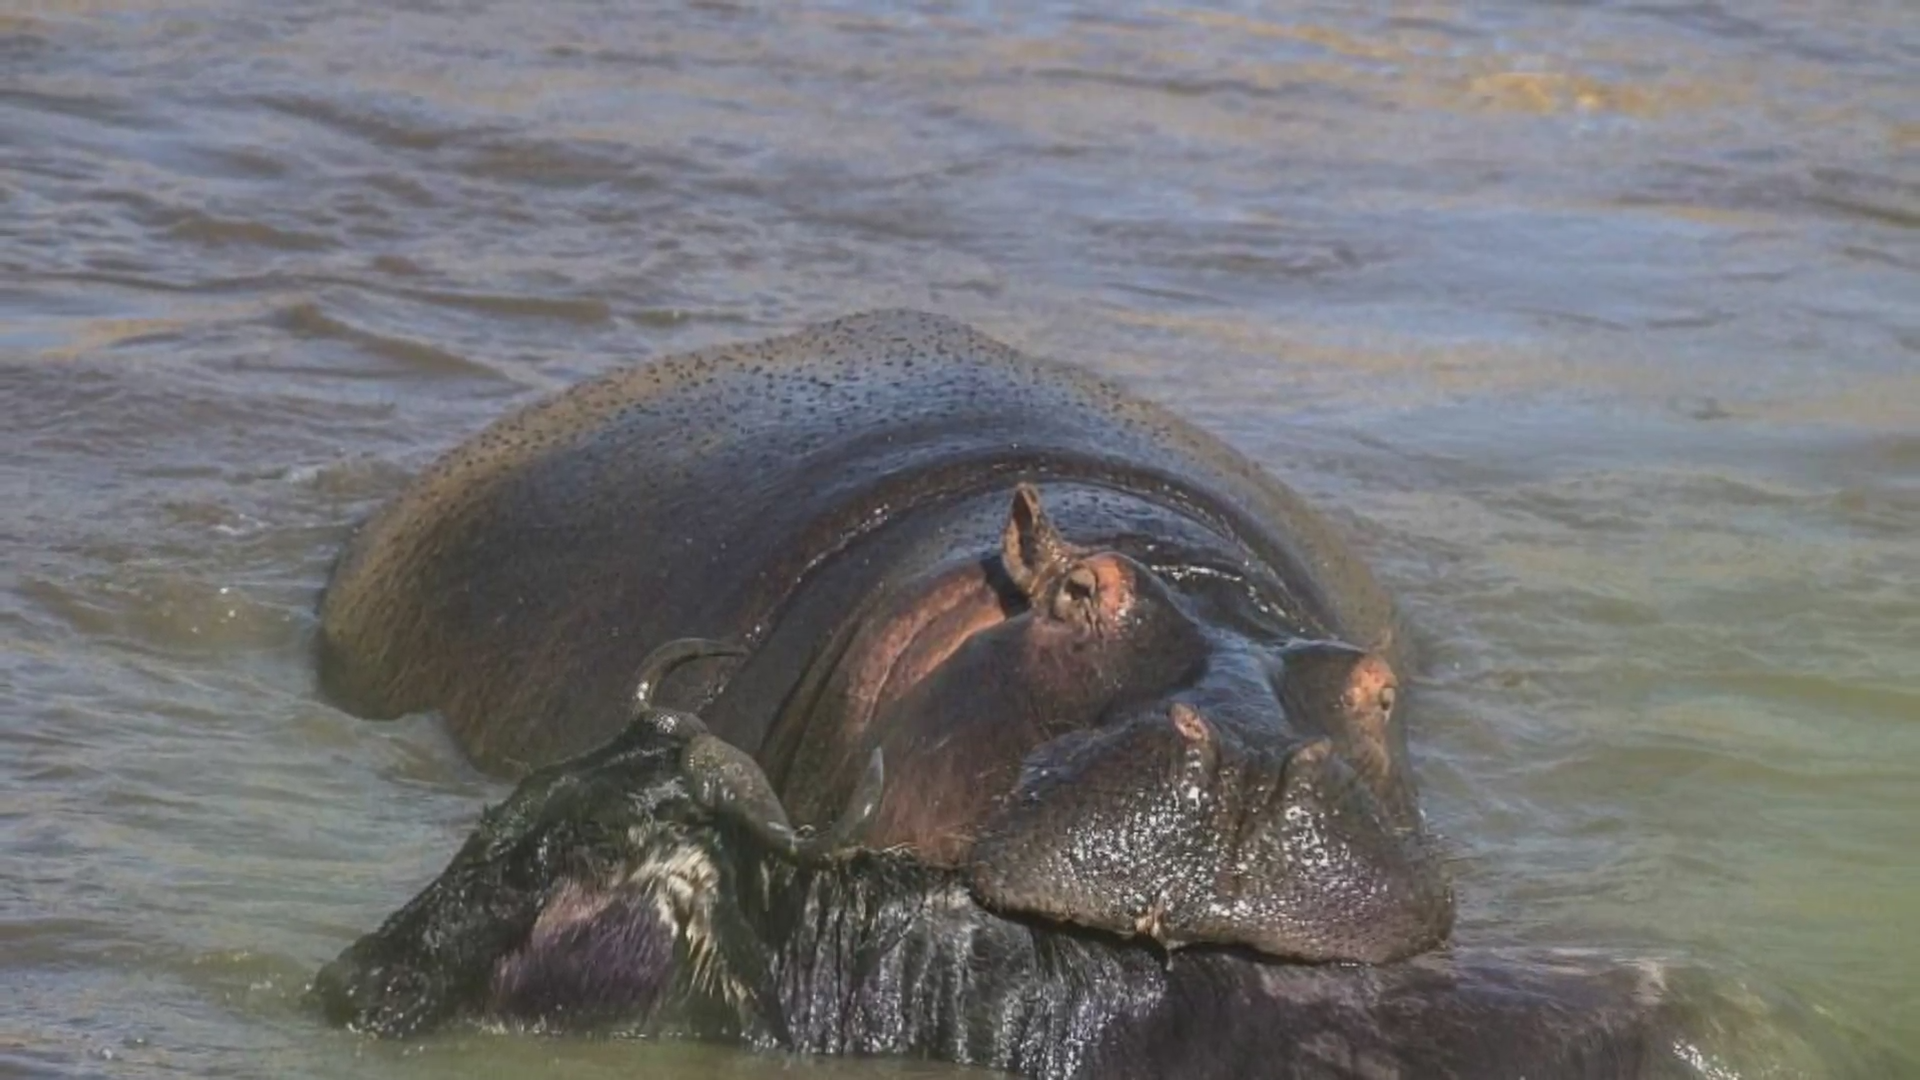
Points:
(1598, 323)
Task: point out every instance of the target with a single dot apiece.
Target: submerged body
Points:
(1115, 671)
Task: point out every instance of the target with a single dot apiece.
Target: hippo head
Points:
(1102, 751)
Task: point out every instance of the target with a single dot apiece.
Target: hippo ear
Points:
(1031, 549)
(727, 780)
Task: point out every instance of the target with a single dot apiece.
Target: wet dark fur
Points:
(548, 916)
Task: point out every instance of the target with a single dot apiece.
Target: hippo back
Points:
(515, 584)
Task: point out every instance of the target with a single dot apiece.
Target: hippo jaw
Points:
(1160, 826)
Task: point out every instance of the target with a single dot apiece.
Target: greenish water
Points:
(1596, 323)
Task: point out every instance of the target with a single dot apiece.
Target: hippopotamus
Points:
(1107, 670)
(651, 887)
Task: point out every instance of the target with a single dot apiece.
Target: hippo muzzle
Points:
(1166, 826)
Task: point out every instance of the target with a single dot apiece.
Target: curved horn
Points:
(847, 830)
(661, 661)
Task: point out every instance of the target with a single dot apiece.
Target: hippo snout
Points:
(1164, 826)
(1320, 874)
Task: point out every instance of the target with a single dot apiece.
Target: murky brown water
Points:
(1599, 321)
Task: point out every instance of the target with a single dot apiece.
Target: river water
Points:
(1597, 322)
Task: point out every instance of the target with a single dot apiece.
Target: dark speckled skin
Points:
(765, 493)
(801, 495)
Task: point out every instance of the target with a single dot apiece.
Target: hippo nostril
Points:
(1309, 757)
(1200, 758)
(1190, 724)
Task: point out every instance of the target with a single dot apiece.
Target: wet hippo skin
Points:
(1116, 675)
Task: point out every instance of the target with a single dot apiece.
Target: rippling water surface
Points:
(1598, 322)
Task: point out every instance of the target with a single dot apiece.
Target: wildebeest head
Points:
(602, 887)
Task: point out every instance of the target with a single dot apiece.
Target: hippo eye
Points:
(1387, 698)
